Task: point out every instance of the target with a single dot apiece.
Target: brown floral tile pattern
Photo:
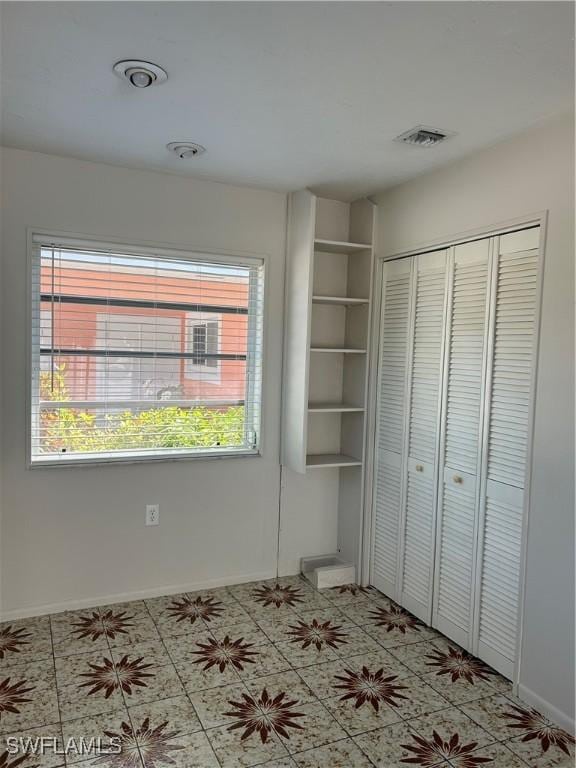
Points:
(370, 687)
(278, 595)
(224, 653)
(272, 674)
(318, 634)
(265, 714)
(430, 751)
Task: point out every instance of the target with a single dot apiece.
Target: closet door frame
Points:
(537, 219)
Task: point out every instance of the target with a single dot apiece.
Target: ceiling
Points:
(283, 95)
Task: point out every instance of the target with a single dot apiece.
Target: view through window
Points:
(138, 356)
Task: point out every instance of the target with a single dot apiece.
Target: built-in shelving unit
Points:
(340, 350)
(331, 460)
(329, 282)
(339, 246)
(346, 301)
(334, 408)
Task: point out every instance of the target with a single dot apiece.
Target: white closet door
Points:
(510, 384)
(391, 410)
(461, 441)
(418, 540)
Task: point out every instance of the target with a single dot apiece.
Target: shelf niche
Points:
(328, 308)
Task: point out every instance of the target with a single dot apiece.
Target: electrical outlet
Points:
(152, 514)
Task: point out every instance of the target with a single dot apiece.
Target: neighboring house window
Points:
(140, 356)
(203, 341)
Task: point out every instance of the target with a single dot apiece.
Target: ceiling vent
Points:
(421, 136)
(185, 150)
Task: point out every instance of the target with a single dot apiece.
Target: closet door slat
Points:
(391, 423)
(457, 518)
(418, 541)
(508, 424)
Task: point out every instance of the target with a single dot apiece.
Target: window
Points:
(202, 340)
(141, 355)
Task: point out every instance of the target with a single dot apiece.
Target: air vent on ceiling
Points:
(421, 136)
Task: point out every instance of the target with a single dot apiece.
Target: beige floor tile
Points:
(498, 754)
(28, 697)
(211, 705)
(290, 682)
(380, 659)
(71, 670)
(80, 732)
(178, 712)
(459, 691)
(417, 656)
(277, 627)
(190, 751)
(163, 684)
(451, 721)
(318, 727)
(268, 661)
(495, 715)
(43, 746)
(534, 754)
(385, 747)
(24, 641)
(392, 638)
(151, 651)
(249, 631)
(341, 754)
(298, 656)
(77, 702)
(143, 630)
(321, 678)
(357, 642)
(356, 720)
(234, 752)
(196, 678)
(420, 699)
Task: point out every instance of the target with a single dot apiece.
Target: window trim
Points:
(56, 238)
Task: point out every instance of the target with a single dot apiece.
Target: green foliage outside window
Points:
(73, 430)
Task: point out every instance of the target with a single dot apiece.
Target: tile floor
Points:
(273, 674)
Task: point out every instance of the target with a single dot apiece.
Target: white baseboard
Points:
(547, 709)
(125, 597)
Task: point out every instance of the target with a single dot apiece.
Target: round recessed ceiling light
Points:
(140, 74)
(185, 150)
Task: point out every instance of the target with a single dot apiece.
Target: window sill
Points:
(93, 460)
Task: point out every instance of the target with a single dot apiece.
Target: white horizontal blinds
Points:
(461, 440)
(391, 426)
(143, 354)
(425, 393)
(512, 369)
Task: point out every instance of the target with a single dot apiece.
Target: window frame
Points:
(57, 239)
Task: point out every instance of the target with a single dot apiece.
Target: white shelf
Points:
(327, 460)
(345, 301)
(334, 408)
(337, 246)
(340, 350)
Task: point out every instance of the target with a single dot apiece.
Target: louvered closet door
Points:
(417, 540)
(510, 382)
(461, 441)
(391, 411)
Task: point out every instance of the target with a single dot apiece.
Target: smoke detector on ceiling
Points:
(140, 74)
(422, 136)
(185, 150)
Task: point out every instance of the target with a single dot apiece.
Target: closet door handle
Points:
(458, 479)
(419, 468)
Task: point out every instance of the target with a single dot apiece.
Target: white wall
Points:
(521, 176)
(78, 534)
